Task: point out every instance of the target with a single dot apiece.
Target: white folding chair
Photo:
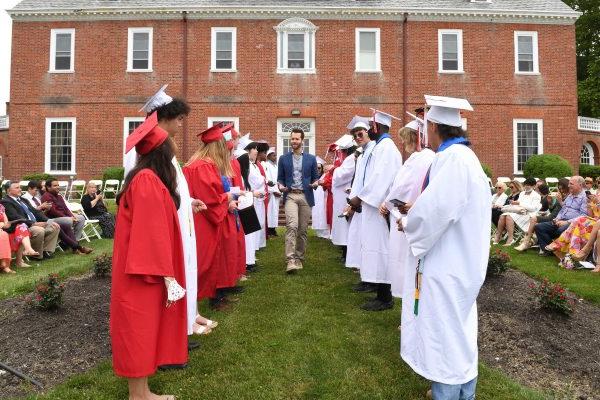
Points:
(23, 185)
(89, 228)
(77, 190)
(97, 182)
(520, 179)
(63, 188)
(552, 184)
(111, 186)
(503, 179)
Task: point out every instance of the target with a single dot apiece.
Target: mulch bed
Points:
(51, 346)
(543, 350)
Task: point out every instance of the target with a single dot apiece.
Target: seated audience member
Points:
(93, 205)
(5, 250)
(518, 212)
(43, 234)
(549, 211)
(574, 206)
(515, 190)
(59, 208)
(33, 196)
(498, 201)
(589, 185)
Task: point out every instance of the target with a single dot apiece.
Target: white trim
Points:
(213, 49)
(534, 43)
(126, 121)
(296, 26)
(357, 33)
(588, 124)
(49, 122)
(130, 32)
(52, 68)
(310, 135)
(540, 150)
(591, 154)
(236, 121)
(459, 48)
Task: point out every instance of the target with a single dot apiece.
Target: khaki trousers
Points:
(297, 215)
(44, 239)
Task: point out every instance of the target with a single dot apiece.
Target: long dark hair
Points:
(449, 132)
(159, 161)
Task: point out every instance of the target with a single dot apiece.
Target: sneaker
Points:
(523, 246)
(299, 264)
(291, 267)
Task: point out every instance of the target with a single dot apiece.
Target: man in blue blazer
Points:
(297, 177)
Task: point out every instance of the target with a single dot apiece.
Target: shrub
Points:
(487, 170)
(40, 176)
(593, 171)
(48, 293)
(545, 165)
(102, 265)
(113, 173)
(498, 263)
(553, 297)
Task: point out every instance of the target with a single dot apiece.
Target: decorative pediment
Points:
(296, 25)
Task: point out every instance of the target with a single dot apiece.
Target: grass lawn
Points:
(65, 264)
(581, 282)
(293, 337)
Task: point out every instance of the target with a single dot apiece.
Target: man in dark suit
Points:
(297, 177)
(44, 234)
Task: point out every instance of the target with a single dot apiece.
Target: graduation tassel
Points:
(417, 287)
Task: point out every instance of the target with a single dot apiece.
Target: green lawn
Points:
(293, 337)
(65, 264)
(581, 282)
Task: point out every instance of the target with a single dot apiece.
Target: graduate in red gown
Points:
(206, 173)
(147, 314)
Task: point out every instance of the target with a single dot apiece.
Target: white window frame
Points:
(591, 153)
(130, 32)
(53, 34)
(126, 122)
(377, 32)
(536, 59)
(49, 122)
(296, 26)
(310, 135)
(540, 123)
(236, 121)
(459, 39)
(213, 47)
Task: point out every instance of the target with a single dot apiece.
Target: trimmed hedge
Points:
(487, 170)
(547, 165)
(113, 173)
(37, 176)
(593, 171)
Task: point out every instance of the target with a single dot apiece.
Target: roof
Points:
(501, 8)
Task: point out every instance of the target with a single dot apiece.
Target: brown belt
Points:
(297, 191)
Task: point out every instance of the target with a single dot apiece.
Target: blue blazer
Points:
(285, 174)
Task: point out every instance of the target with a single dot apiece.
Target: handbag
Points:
(249, 220)
(513, 209)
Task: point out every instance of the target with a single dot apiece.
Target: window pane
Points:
(224, 41)
(63, 42)
(296, 42)
(450, 65)
(525, 44)
(295, 64)
(140, 55)
(62, 63)
(224, 55)
(60, 146)
(450, 43)
(367, 42)
(140, 64)
(133, 125)
(224, 64)
(527, 142)
(367, 61)
(141, 41)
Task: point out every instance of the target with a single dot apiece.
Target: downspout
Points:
(404, 68)
(184, 89)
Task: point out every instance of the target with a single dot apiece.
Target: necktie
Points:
(30, 215)
(35, 201)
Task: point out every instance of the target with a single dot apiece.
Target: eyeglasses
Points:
(358, 134)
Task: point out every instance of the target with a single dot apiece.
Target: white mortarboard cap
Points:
(271, 150)
(360, 125)
(414, 125)
(345, 142)
(244, 141)
(383, 118)
(159, 99)
(356, 119)
(446, 110)
(320, 161)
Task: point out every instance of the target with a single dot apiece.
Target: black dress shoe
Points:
(364, 287)
(251, 268)
(377, 305)
(168, 367)
(48, 255)
(235, 289)
(193, 345)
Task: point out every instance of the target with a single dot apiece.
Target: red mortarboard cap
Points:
(212, 134)
(147, 136)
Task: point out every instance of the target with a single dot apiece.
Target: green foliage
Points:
(553, 297)
(498, 264)
(547, 165)
(48, 293)
(37, 176)
(592, 171)
(487, 170)
(113, 173)
(102, 265)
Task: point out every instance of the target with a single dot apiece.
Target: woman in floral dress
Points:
(17, 241)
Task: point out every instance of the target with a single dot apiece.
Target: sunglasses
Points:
(358, 134)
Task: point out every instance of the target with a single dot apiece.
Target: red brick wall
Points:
(100, 92)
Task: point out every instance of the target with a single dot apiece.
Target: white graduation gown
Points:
(188, 238)
(448, 228)
(341, 180)
(354, 249)
(319, 213)
(257, 182)
(406, 187)
(380, 169)
(273, 207)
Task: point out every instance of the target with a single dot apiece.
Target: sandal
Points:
(23, 265)
(7, 270)
(31, 253)
(551, 248)
(207, 322)
(198, 329)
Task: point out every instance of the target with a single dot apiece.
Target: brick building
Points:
(81, 69)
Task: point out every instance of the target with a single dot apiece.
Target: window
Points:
(60, 146)
(296, 46)
(62, 50)
(368, 50)
(212, 121)
(129, 125)
(528, 141)
(526, 53)
(587, 154)
(223, 49)
(139, 50)
(284, 129)
(450, 51)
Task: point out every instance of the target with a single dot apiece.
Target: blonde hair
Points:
(409, 139)
(518, 185)
(216, 152)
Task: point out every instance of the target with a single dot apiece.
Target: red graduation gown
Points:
(204, 181)
(147, 247)
(241, 241)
